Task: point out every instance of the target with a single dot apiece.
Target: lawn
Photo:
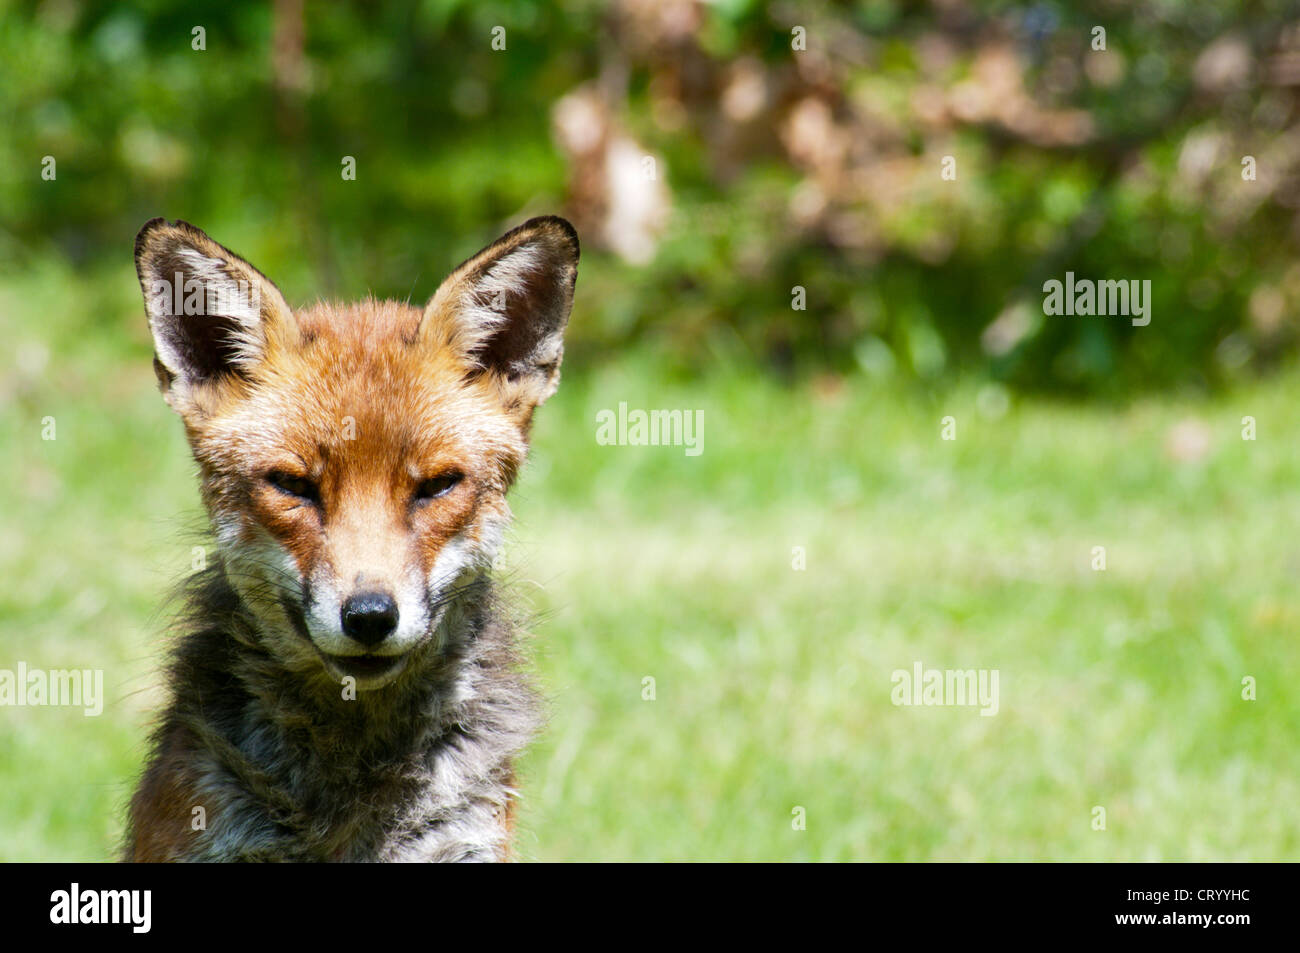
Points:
(1119, 688)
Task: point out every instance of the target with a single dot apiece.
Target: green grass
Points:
(1119, 689)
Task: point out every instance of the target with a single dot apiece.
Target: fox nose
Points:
(370, 617)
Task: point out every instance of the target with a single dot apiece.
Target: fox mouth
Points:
(365, 668)
(368, 669)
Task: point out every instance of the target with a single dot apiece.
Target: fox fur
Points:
(345, 685)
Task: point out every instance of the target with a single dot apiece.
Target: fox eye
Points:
(300, 487)
(435, 487)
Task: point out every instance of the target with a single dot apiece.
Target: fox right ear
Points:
(211, 313)
(505, 309)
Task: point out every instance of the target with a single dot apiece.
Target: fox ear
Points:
(503, 311)
(211, 313)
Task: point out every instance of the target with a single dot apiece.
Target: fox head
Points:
(355, 459)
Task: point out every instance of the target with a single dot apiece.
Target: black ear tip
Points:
(560, 228)
(145, 229)
(160, 222)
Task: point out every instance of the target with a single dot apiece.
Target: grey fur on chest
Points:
(290, 770)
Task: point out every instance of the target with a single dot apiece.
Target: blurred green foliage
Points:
(1122, 163)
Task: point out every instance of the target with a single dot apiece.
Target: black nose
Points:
(370, 617)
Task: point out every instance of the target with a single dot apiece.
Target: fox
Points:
(346, 683)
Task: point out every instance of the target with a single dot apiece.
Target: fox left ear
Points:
(504, 310)
(211, 313)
